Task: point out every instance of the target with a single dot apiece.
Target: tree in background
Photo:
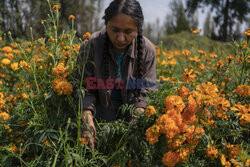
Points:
(177, 20)
(227, 14)
(18, 16)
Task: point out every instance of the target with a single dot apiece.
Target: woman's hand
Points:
(88, 121)
(139, 110)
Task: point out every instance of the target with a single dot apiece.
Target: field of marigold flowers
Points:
(199, 115)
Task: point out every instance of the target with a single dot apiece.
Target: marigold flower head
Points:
(14, 66)
(188, 77)
(4, 116)
(72, 17)
(243, 90)
(186, 52)
(60, 70)
(86, 35)
(83, 140)
(184, 91)
(61, 86)
(152, 134)
(247, 32)
(174, 102)
(195, 31)
(150, 110)
(212, 152)
(7, 49)
(170, 159)
(5, 61)
(1, 38)
(56, 7)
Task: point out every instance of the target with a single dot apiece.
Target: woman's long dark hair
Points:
(133, 9)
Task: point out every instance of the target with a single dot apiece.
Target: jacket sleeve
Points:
(85, 98)
(149, 77)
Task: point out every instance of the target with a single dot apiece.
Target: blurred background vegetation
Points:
(222, 23)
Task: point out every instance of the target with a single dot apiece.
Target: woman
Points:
(123, 58)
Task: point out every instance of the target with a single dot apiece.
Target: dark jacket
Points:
(93, 51)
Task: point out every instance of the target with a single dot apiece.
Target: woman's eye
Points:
(128, 32)
(115, 30)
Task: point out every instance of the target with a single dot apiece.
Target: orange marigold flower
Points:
(174, 102)
(150, 110)
(188, 76)
(195, 31)
(213, 55)
(247, 32)
(152, 134)
(170, 159)
(86, 35)
(183, 91)
(4, 116)
(186, 52)
(168, 126)
(5, 61)
(56, 7)
(62, 86)
(7, 49)
(60, 70)
(83, 140)
(243, 113)
(13, 148)
(1, 38)
(212, 152)
(46, 142)
(243, 90)
(72, 17)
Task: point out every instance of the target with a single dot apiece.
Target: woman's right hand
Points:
(88, 121)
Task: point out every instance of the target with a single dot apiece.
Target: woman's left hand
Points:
(139, 110)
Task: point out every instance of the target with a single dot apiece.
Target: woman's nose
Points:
(120, 37)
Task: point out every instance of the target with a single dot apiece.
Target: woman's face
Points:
(121, 30)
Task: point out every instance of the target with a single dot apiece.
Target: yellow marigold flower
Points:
(224, 161)
(7, 49)
(86, 35)
(4, 116)
(5, 61)
(24, 96)
(83, 140)
(247, 32)
(72, 17)
(62, 86)
(150, 110)
(243, 90)
(56, 7)
(188, 77)
(170, 159)
(14, 66)
(174, 102)
(212, 152)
